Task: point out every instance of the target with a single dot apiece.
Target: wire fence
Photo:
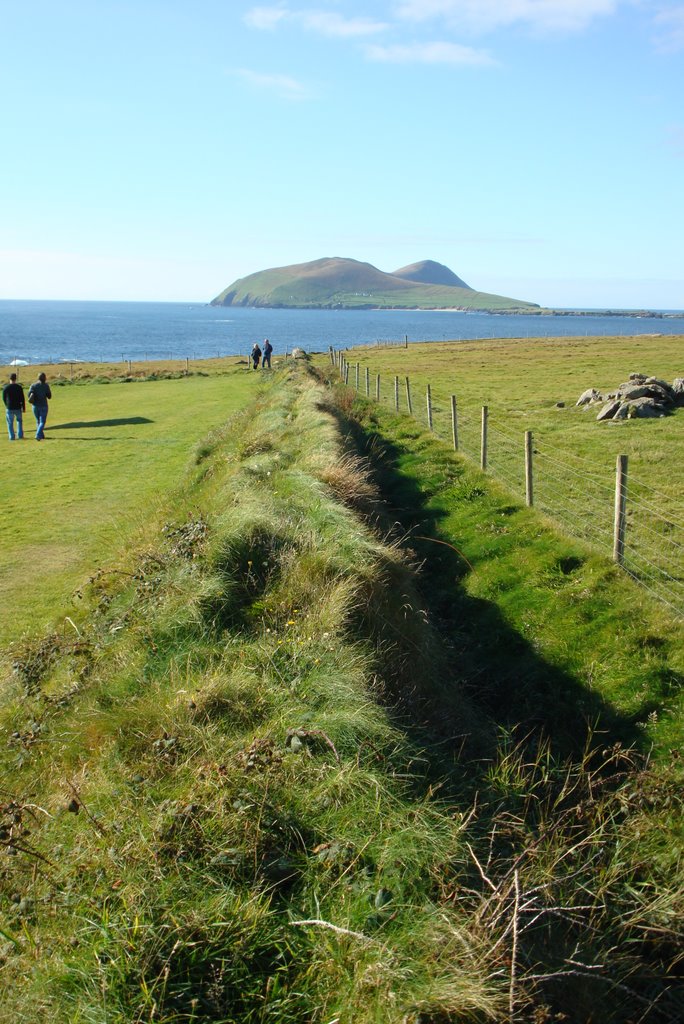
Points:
(641, 528)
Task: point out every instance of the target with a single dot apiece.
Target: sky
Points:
(160, 149)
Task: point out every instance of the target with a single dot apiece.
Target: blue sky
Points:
(159, 149)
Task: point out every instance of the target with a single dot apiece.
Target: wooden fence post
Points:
(346, 372)
(454, 422)
(332, 355)
(406, 341)
(367, 383)
(357, 376)
(620, 510)
(408, 397)
(529, 479)
(483, 438)
(428, 396)
(377, 387)
(396, 394)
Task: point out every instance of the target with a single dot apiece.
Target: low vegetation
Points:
(322, 749)
(117, 442)
(533, 384)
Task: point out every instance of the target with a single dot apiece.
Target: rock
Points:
(654, 391)
(667, 388)
(298, 353)
(630, 391)
(591, 395)
(664, 395)
(609, 411)
(641, 396)
(560, 405)
(645, 408)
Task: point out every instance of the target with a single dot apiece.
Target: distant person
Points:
(38, 397)
(15, 404)
(268, 348)
(256, 355)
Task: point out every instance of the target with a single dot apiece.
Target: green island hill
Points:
(337, 283)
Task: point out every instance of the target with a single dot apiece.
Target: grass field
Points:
(521, 380)
(534, 385)
(112, 452)
(358, 739)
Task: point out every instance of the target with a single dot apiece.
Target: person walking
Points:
(38, 397)
(268, 348)
(15, 405)
(256, 355)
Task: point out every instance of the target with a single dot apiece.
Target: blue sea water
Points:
(52, 332)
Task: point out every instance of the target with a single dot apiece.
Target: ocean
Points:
(53, 332)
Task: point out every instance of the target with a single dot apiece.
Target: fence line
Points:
(639, 526)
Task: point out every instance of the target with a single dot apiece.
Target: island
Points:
(341, 283)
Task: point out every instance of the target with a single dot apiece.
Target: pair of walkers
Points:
(15, 406)
(256, 355)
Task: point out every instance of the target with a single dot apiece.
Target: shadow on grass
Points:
(128, 421)
(528, 706)
(502, 675)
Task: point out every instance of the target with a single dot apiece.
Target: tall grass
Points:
(248, 785)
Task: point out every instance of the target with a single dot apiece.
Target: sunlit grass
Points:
(291, 765)
(112, 453)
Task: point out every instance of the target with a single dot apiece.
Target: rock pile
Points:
(641, 396)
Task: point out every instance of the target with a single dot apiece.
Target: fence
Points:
(641, 528)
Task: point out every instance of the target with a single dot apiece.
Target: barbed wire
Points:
(587, 513)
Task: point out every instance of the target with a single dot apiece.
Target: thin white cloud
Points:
(487, 15)
(430, 53)
(265, 18)
(283, 85)
(325, 23)
(670, 29)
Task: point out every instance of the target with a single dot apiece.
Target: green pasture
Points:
(533, 385)
(521, 381)
(112, 453)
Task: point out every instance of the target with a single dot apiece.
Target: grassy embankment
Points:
(223, 793)
(114, 448)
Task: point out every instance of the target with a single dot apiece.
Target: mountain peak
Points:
(430, 272)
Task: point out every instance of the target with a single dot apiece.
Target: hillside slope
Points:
(429, 272)
(337, 283)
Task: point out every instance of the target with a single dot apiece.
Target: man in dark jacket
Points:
(38, 397)
(15, 404)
